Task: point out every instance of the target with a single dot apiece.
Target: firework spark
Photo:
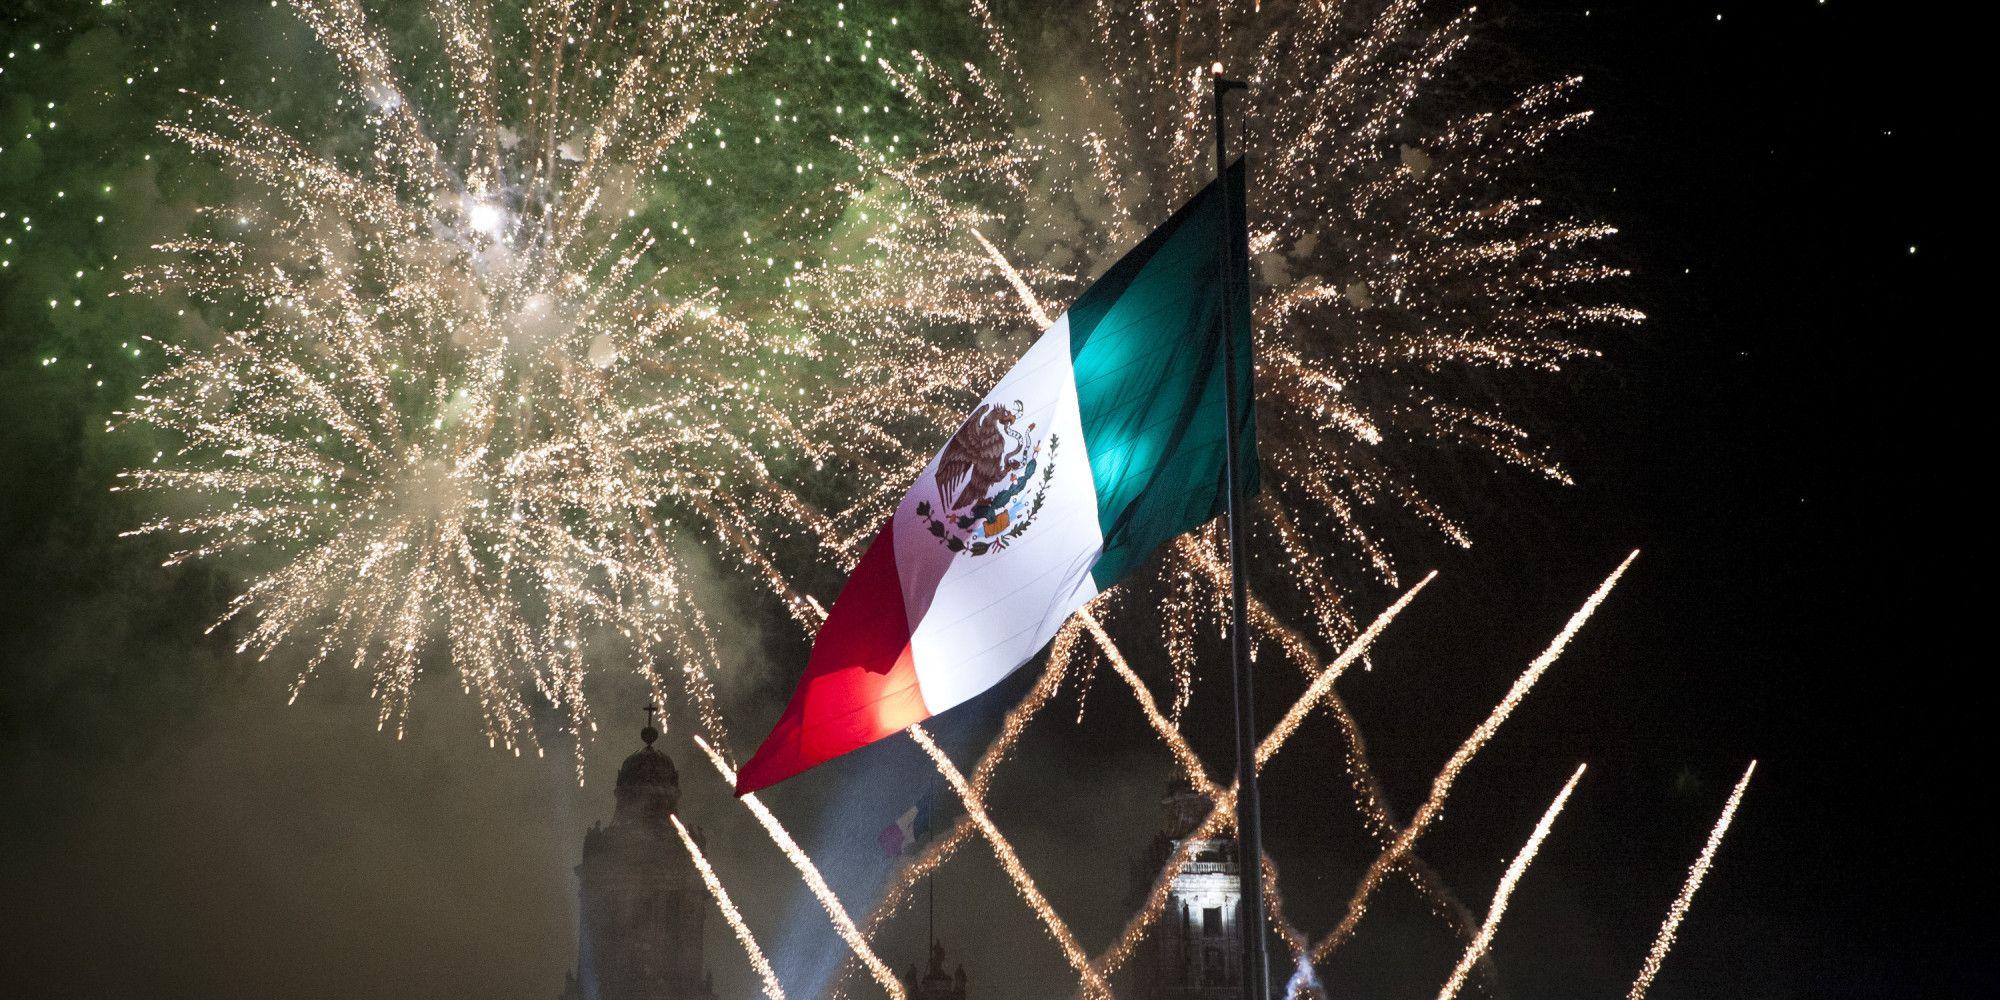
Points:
(903, 884)
(455, 409)
(1441, 786)
(1505, 890)
(1372, 799)
(1222, 802)
(1323, 683)
(1094, 985)
(803, 864)
(1679, 911)
(729, 913)
(1397, 268)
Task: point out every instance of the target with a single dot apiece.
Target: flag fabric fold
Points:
(1103, 442)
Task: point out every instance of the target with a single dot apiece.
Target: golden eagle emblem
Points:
(982, 480)
(985, 450)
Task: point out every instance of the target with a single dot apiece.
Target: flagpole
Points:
(930, 877)
(1249, 823)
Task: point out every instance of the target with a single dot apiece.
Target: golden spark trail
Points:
(1220, 816)
(1094, 984)
(1195, 770)
(1184, 755)
(835, 912)
(1062, 652)
(1679, 911)
(1323, 683)
(1020, 286)
(1223, 806)
(730, 914)
(1015, 723)
(1274, 911)
(1506, 889)
(1426, 879)
(1197, 774)
(1372, 801)
(1441, 785)
(1011, 728)
(1367, 788)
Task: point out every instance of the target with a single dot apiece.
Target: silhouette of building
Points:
(1196, 951)
(639, 929)
(936, 984)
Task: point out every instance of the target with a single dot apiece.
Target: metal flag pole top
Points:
(1249, 825)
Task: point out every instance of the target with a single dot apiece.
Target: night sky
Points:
(1768, 439)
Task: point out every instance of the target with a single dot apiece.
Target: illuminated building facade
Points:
(1197, 951)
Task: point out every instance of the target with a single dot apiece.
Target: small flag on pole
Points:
(909, 831)
(1103, 442)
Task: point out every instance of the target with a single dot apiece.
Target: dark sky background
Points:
(1769, 439)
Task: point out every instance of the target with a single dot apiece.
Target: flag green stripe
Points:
(1146, 353)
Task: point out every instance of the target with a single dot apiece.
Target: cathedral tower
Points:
(1196, 951)
(641, 904)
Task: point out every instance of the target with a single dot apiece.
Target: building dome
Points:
(1182, 808)
(649, 786)
(640, 902)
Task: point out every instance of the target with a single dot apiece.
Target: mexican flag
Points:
(1104, 441)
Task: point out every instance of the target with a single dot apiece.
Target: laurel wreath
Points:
(984, 509)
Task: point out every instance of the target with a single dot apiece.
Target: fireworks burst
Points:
(459, 411)
(1397, 271)
(464, 412)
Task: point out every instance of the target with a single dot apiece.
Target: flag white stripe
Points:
(975, 618)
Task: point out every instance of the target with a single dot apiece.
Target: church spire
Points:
(936, 984)
(1195, 951)
(640, 904)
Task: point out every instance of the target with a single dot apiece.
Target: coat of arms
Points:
(990, 481)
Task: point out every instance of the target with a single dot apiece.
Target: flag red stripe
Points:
(860, 684)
